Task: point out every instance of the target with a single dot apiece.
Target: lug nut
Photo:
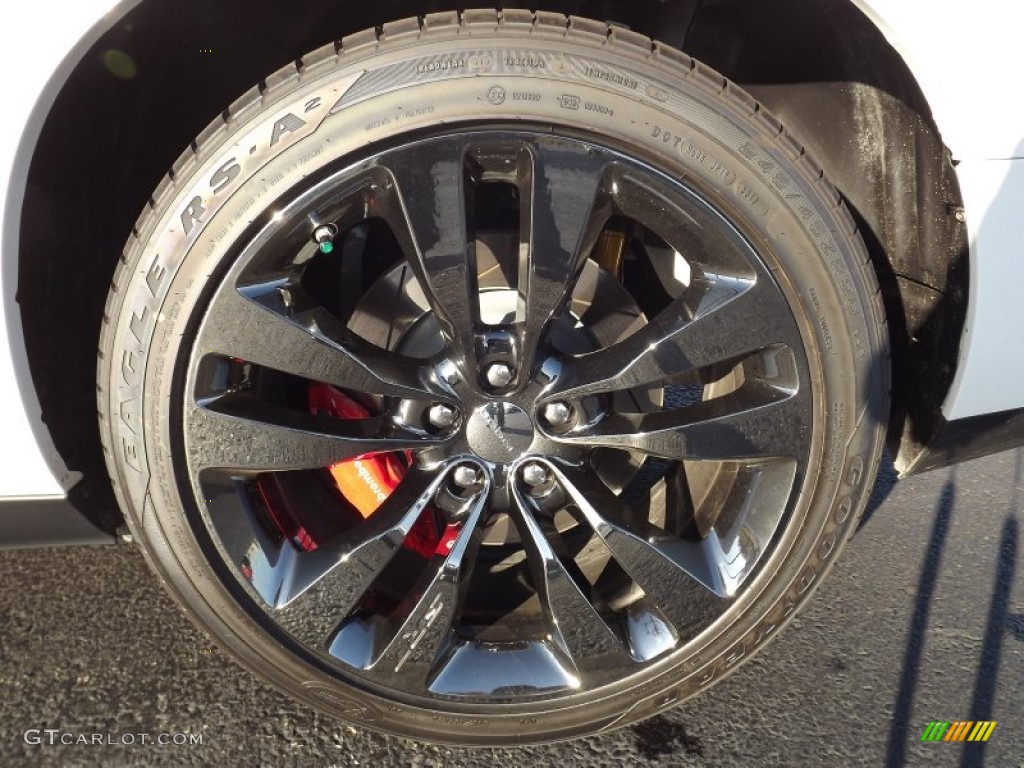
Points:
(499, 375)
(557, 414)
(448, 373)
(535, 474)
(466, 476)
(455, 498)
(441, 416)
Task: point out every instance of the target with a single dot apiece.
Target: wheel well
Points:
(158, 76)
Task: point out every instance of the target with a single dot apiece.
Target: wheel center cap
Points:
(499, 432)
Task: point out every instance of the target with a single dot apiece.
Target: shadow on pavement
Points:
(658, 737)
(992, 644)
(898, 732)
(884, 485)
(997, 624)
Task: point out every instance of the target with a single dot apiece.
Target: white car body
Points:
(951, 48)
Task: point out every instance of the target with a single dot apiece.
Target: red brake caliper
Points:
(368, 480)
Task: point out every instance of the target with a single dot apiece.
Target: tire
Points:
(610, 633)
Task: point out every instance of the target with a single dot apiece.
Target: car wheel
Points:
(493, 378)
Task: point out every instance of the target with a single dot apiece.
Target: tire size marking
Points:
(849, 298)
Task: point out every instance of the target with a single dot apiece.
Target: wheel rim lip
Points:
(644, 671)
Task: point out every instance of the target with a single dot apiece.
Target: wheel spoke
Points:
(579, 623)
(661, 564)
(324, 585)
(427, 212)
(238, 431)
(564, 208)
(687, 225)
(428, 623)
(757, 421)
(532, 666)
(278, 326)
(680, 340)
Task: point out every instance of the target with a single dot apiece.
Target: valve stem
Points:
(324, 236)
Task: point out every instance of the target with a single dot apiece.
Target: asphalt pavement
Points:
(922, 619)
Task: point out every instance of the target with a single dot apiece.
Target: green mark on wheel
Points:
(326, 247)
(120, 64)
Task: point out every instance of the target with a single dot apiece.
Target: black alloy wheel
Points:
(505, 416)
